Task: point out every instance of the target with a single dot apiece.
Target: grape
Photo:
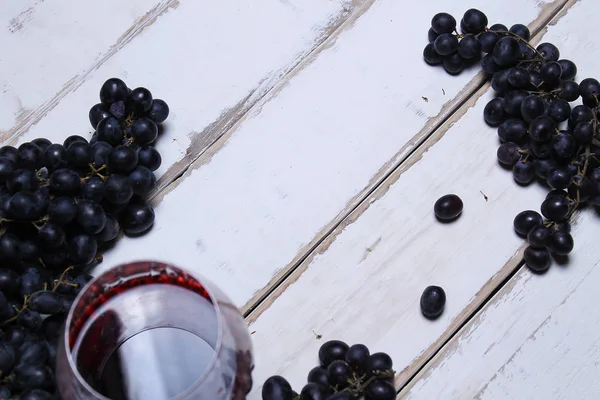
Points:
(123, 159)
(564, 145)
(532, 107)
(493, 113)
(538, 260)
(9, 247)
(51, 235)
(469, 47)
(31, 281)
(82, 249)
(140, 99)
(339, 373)
(445, 44)
(543, 166)
(525, 221)
(443, 23)
(569, 69)
(342, 396)
(500, 82)
(488, 40)
(119, 189)
(65, 182)
(453, 64)
(78, 154)
(144, 130)
(62, 210)
(110, 230)
(579, 114)
(535, 79)
(431, 56)
(561, 243)
(332, 350)
(30, 319)
(45, 302)
(432, 35)
(31, 376)
(9, 152)
(136, 218)
(380, 364)
(93, 189)
(277, 388)
(23, 206)
(523, 172)
(149, 157)
(9, 281)
(542, 128)
(159, 111)
(113, 90)
(568, 90)
(357, 356)
(538, 236)
(506, 52)
(448, 207)
(142, 181)
(556, 208)
(551, 72)
(318, 375)
(90, 217)
(314, 391)
(433, 301)
(7, 356)
(30, 156)
(474, 21)
(548, 51)
(51, 327)
(559, 110)
(513, 129)
(97, 113)
(22, 180)
(589, 88)
(489, 65)
(498, 28)
(33, 350)
(7, 168)
(583, 133)
(36, 394)
(380, 390)
(109, 130)
(73, 139)
(520, 30)
(508, 154)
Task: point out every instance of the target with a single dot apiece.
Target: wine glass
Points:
(152, 331)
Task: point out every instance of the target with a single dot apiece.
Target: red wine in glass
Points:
(150, 330)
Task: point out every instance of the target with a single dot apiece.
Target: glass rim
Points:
(201, 280)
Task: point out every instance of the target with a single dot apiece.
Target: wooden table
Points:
(306, 146)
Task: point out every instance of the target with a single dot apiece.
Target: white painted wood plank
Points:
(252, 206)
(49, 46)
(538, 338)
(209, 62)
(364, 283)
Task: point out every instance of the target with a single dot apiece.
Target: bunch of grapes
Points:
(345, 373)
(543, 136)
(60, 204)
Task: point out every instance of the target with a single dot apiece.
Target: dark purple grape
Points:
(109, 130)
(339, 373)
(493, 113)
(15, 336)
(277, 388)
(123, 159)
(474, 21)
(380, 390)
(488, 40)
(24, 206)
(118, 109)
(357, 356)
(507, 52)
(520, 30)
(433, 301)
(55, 157)
(542, 128)
(9, 152)
(564, 146)
(538, 260)
(142, 181)
(51, 327)
(62, 210)
(559, 178)
(73, 139)
(22, 180)
(110, 230)
(556, 208)
(561, 243)
(32, 376)
(568, 90)
(543, 166)
(431, 56)
(548, 51)
(78, 154)
(51, 236)
(489, 65)
(144, 130)
(136, 218)
(508, 154)
(443, 23)
(7, 168)
(512, 130)
(90, 217)
(30, 319)
(538, 236)
(314, 391)
(318, 375)
(46, 302)
(448, 207)
(82, 249)
(10, 246)
(453, 64)
(579, 114)
(559, 110)
(36, 394)
(65, 181)
(569, 69)
(469, 47)
(31, 281)
(532, 107)
(512, 103)
(140, 99)
(583, 133)
(30, 156)
(99, 151)
(523, 172)
(149, 157)
(7, 356)
(445, 44)
(500, 82)
(114, 89)
(343, 396)
(527, 220)
(589, 89)
(119, 189)
(9, 281)
(93, 189)
(332, 350)
(550, 72)
(159, 111)
(97, 113)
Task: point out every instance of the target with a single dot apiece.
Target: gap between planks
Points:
(431, 133)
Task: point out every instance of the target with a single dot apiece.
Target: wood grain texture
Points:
(210, 63)
(258, 201)
(538, 337)
(364, 282)
(50, 47)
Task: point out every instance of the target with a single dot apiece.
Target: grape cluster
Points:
(544, 135)
(345, 373)
(60, 205)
